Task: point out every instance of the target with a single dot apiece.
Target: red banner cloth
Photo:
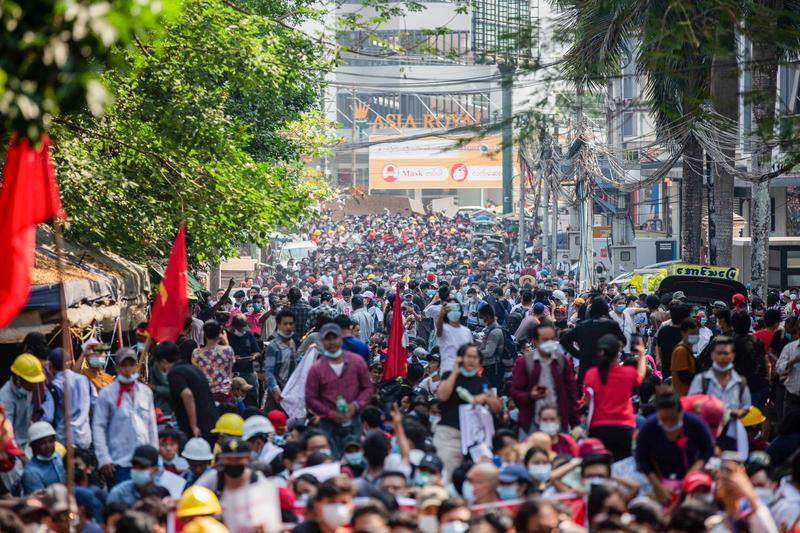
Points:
(171, 308)
(396, 356)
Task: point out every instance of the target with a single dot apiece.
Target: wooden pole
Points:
(67, 362)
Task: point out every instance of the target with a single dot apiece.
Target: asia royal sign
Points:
(435, 163)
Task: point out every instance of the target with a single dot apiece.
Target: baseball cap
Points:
(234, 446)
(328, 329)
(432, 462)
(738, 298)
(694, 480)
(368, 294)
(720, 304)
(278, 419)
(352, 441)
(678, 295)
(514, 472)
(124, 354)
(145, 455)
(592, 446)
(239, 383)
(560, 296)
(431, 495)
(538, 307)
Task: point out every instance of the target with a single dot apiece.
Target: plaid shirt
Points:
(322, 309)
(301, 312)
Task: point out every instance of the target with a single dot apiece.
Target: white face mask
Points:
(455, 527)
(128, 379)
(428, 523)
(336, 514)
(551, 428)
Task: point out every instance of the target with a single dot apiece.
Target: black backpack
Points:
(508, 353)
(390, 391)
(514, 320)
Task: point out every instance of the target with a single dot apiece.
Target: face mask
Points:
(100, 362)
(422, 479)
(278, 440)
(128, 379)
(47, 458)
(551, 428)
(468, 373)
(428, 523)
(257, 307)
(431, 293)
(693, 339)
(454, 316)
(467, 492)
(765, 494)
(140, 477)
(139, 347)
(303, 498)
(335, 514)
(285, 335)
(703, 321)
(332, 355)
(723, 368)
(507, 492)
(455, 527)
(239, 332)
(435, 419)
(590, 482)
(705, 498)
(513, 415)
(354, 458)
(326, 451)
(233, 471)
(540, 472)
(621, 308)
(550, 346)
(672, 429)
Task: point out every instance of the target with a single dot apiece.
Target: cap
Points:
(368, 294)
(678, 295)
(579, 301)
(431, 495)
(239, 294)
(560, 296)
(592, 446)
(256, 425)
(352, 441)
(738, 299)
(710, 408)
(234, 446)
(40, 430)
(720, 304)
(239, 383)
(538, 307)
(145, 455)
(124, 354)
(90, 342)
(328, 329)
(59, 500)
(431, 461)
(278, 419)
(514, 472)
(694, 480)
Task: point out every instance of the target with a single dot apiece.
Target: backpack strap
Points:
(705, 383)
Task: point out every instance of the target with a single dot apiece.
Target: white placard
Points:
(477, 426)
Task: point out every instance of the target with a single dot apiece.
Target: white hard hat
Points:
(256, 424)
(560, 296)
(197, 449)
(40, 430)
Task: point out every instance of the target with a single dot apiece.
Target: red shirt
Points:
(611, 401)
(765, 336)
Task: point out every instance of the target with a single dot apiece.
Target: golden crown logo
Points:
(360, 111)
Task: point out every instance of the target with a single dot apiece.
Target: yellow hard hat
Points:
(229, 424)
(60, 449)
(466, 261)
(753, 417)
(29, 368)
(205, 524)
(341, 229)
(198, 501)
(317, 232)
(370, 276)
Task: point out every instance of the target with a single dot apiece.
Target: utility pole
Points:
(353, 134)
(522, 173)
(554, 225)
(547, 255)
(583, 197)
(507, 86)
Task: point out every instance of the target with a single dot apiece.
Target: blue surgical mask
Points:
(332, 355)
(422, 479)
(693, 339)
(278, 440)
(513, 415)
(540, 472)
(354, 458)
(468, 373)
(467, 492)
(723, 368)
(507, 492)
(47, 458)
(140, 477)
(621, 308)
(672, 429)
(454, 316)
(703, 321)
(434, 419)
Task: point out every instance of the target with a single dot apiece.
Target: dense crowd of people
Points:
(523, 404)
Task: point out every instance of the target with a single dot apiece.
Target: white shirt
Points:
(705, 338)
(626, 324)
(731, 395)
(451, 339)
(786, 507)
(790, 351)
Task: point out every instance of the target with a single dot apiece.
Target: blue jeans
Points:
(338, 433)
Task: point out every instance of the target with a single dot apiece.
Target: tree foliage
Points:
(212, 120)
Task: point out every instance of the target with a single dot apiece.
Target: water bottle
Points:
(341, 406)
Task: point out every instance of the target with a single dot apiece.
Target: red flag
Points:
(29, 196)
(171, 308)
(396, 356)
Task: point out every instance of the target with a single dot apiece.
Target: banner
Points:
(434, 163)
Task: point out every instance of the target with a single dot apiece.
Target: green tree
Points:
(212, 120)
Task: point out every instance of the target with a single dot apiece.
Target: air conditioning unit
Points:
(574, 245)
(623, 259)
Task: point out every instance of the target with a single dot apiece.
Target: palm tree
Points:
(675, 43)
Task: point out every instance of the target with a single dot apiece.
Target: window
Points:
(792, 259)
(386, 47)
(628, 124)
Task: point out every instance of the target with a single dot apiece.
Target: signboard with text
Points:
(435, 163)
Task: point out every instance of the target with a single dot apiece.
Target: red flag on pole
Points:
(29, 197)
(396, 356)
(171, 308)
